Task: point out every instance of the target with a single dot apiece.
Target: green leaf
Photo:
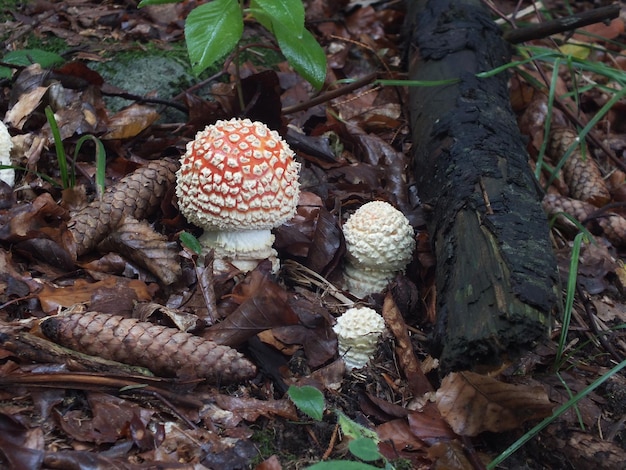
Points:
(304, 54)
(341, 465)
(26, 57)
(191, 242)
(309, 400)
(287, 14)
(145, 3)
(365, 449)
(355, 430)
(212, 30)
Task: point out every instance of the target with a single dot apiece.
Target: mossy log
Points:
(497, 280)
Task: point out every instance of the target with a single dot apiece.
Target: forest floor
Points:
(121, 74)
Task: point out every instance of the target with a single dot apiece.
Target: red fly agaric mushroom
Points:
(237, 180)
(379, 243)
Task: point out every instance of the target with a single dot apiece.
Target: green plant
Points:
(214, 29)
(68, 176)
(26, 57)
(363, 441)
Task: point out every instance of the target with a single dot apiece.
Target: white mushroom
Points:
(7, 175)
(237, 181)
(358, 330)
(379, 244)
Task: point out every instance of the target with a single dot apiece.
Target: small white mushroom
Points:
(358, 330)
(379, 244)
(7, 175)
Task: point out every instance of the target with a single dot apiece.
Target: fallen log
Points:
(496, 275)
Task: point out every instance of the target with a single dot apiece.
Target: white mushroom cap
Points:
(6, 175)
(358, 330)
(238, 175)
(379, 243)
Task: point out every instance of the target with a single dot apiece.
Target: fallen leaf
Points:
(109, 422)
(131, 121)
(472, 403)
(407, 360)
(52, 297)
(266, 308)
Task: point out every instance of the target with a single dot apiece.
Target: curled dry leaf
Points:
(612, 225)
(131, 121)
(138, 241)
(266, 307)
(472, 403)
(165, 351)
(136, 195)
(109, 418)
(407, 359)
(52, 297)
(580, 171)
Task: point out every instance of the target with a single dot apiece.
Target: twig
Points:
(87, 381)
(560, 25)
(329, 95)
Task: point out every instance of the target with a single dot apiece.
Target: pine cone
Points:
(137, 195)
(165, 351)
(580, 171)
(612, 225)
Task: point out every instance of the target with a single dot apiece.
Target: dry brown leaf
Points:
(131, 121)
(109, 421)
(266, 307)
(472, 403)
(52, 297)
(19, 113)
(448, 455)
(408, 362)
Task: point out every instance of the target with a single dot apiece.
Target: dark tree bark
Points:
(497, 281)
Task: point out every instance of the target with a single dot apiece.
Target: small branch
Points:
(329, 95)
(560, 25)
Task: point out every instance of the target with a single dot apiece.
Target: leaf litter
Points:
(61, 409)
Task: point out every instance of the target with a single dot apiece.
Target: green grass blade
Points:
(58, 145)
(569, 299)
(100, 161)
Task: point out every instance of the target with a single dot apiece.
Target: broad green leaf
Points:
(341, 465)
(27, 57)
(190, 242)
(304, 54)
(212, 30)
(365, 449)
(262, 17)
(287, 14)
(145, 3)
(309, 400)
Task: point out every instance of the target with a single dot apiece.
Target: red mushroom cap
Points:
(238, 175)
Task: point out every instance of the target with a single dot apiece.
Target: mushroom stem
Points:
(243, 249)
